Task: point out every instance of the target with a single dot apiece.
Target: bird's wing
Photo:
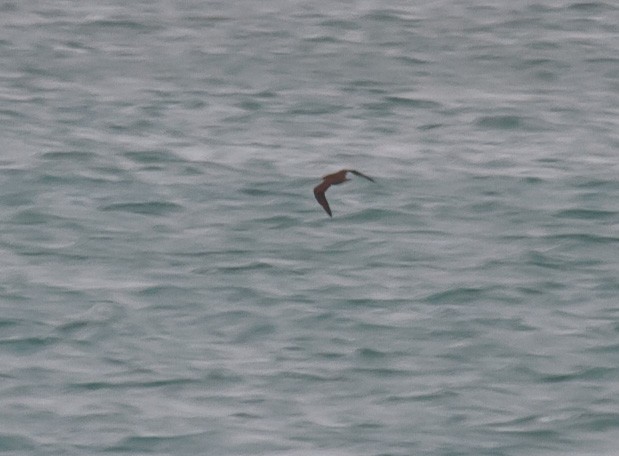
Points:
(319, 193)
(360, 174)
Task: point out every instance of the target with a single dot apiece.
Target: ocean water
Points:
(170, 286)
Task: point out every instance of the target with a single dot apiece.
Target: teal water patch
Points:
(11, 442)
(412, 102)
(587, 214)
(152, 157)
(459, 295)
(503, 122)
(144, 208)
(27, 345)
(171, 286)
(69, 156)
(158, 444)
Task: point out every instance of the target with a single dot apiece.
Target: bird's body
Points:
(333, 179)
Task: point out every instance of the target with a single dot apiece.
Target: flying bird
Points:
(333, 179)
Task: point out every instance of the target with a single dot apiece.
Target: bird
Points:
(333, 179)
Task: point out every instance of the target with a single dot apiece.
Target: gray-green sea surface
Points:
(170, 286)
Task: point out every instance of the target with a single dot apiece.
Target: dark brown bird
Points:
(333, 179)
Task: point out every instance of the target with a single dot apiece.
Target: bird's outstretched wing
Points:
(319, 193)
(357, 173)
